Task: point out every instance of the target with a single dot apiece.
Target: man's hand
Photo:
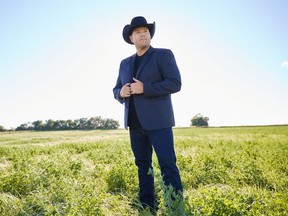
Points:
(125, 91)
(136, 87)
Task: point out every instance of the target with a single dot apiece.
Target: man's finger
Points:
(135, 80)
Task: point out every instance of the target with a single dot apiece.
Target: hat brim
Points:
(128, 29)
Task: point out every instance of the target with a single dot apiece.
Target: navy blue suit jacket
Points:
(160, 76)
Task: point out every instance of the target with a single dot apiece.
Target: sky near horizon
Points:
(59, 59)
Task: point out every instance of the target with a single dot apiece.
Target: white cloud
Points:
(285, 64)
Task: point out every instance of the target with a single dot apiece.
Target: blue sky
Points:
(60, 59)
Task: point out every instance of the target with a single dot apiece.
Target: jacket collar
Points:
(147, 56)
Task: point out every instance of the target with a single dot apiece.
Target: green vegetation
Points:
(225, 171)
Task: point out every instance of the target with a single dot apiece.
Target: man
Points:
(145, 83)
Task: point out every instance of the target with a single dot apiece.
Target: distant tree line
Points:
(88, 124)
(78, 124)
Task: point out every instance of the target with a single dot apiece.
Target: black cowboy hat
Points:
(136, 22)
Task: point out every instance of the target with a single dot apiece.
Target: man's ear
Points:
(131, 39)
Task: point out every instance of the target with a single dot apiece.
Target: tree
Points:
(199, 121)
(25, 126)
(110, 124)
(38, 125)
(49, 125)
(72, 125)
(2, 128)
(81, 123)
(94, 123)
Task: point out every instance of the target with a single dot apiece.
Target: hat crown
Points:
(138, 21)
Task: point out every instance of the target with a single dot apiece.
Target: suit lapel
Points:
(146, 58)
(131, 69)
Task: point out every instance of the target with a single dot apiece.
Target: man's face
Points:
(141, 37)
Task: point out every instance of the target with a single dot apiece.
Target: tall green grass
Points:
(225, 171)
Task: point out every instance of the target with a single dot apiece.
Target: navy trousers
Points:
(143, 142)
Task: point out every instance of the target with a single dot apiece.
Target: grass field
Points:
(225, 171)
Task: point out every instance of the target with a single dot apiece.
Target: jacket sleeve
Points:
(171, 82)
(117, 89)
